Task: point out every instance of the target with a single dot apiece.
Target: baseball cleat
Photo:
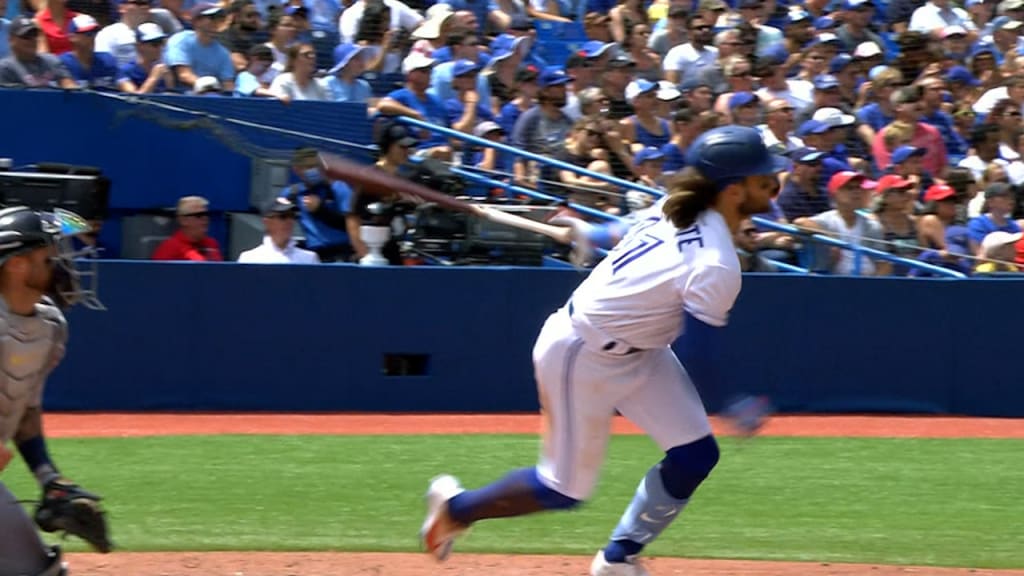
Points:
(602, 567)
(439, 531)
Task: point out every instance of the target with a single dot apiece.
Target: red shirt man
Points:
(190, 242)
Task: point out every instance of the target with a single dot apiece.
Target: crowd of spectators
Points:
(902, 120)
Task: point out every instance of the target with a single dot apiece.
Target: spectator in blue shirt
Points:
(323, 206)
(5, 31)
(932, 114)
(802, 196)
(465, 110)
(999, 198)
(249, 81)
(344, 83)
(91, 69)
(414, 101)
(196, 53)
(879, 113)
(147, 74)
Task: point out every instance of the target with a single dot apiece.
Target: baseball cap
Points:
(825, 23)
(190, 205)
(22, 26)
(668, 91)
(463, 67)
(826, 82)
(939, 192)
(395, 134)
(149, 32)
(839, 63)
(621, 61)
(999, 238)
(812, 127)
(841, 179)
(891, 182)
(83, 24)
(806, 155)
(775, 55)
(960, 74)
(692, 83)
(648, 154)
(417, 61)
(866, 50)
(797, 14)
(206, 10)
(296, 11)
(902, 153)
(727, 154)
(742, 99)
(998, 189)
(954, 30)
(279, 205)
(595, 48)
(343, 54)
(484, 128)
(552, 76)
(638, 87)
(833, 117)
(857, 4)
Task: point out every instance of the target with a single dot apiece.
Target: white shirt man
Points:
(402, 16)
(278, 246)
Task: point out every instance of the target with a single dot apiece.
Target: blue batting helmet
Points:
(730, 153)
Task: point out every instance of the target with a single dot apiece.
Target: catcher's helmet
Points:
(730, 153)
(23, 229)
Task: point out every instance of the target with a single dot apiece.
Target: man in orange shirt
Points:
(190, 242)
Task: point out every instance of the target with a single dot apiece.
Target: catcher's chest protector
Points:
(30, 346)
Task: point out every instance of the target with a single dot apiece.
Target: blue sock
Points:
(520, 492)
(619, 550)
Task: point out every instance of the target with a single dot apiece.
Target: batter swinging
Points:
(608, 348)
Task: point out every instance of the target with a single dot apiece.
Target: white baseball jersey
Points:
(638, 293)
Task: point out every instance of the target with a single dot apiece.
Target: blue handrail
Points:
(876, 254)
(528, 155)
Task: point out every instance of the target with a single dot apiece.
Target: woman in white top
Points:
(298, 82)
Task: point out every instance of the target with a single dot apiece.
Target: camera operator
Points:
(395, 143)
(323, 205)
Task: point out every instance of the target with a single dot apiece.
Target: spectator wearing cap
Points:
(826, 94)
(323, 205)
(26, 66)
(432, 33)
(669, 99)
(745, 109)
(856, 25)
(932, 114)
(584, 71)
(191, 241)
(906, 103)
(955, 45)
(798, 32)
(739, 75)
(487, 158)
(461, 46)
(686, 127)
(777, 131)
(940, 213)
(282, 31)
(999, 249)
(499, 75)
(697, 94)
(775, 85)
(53, 21)
(278, 246)
(343, 83)
(844, 70)
(648, 164)
(963, 86)
(675, 32)
(398, 16)
(906, 163)
(465, 110)
(802, 194)
(193, 54)
(686, 59)
(298, 81)
(893, 208)
(644, 128)
(414, 100)
(249, 82)
(880, 112)
(300, 17)
(90, 69)
(841, 141)
(121, 38)
(544, 128)
(1005, 41)
(245, 31)
(1000, 201)
(617, 76)
(935, 15)
(846, 223)
(525, 98)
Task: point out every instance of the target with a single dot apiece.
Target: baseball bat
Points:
(371, 180)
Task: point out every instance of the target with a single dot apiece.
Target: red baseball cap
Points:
(890, 181)
(840, 179)
(937, 192)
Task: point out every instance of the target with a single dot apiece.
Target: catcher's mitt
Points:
(68, 508)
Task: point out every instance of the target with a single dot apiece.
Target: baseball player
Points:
(38, 276)
(608, 349)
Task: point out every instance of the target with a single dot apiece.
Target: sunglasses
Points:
(701, 28)
(197, 215)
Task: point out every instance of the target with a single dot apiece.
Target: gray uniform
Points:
(30, 347)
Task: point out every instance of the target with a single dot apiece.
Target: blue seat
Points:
(559, 31)
(324, 43)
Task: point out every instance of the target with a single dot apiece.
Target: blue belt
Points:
(611, 344)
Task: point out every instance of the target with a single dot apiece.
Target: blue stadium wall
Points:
(237, 337)
(181, 336)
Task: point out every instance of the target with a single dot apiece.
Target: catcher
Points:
(39, 276)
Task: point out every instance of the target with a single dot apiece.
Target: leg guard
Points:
(21, 549)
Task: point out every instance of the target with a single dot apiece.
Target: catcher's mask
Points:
(75, 272)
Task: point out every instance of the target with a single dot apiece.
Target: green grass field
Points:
(896, 501)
